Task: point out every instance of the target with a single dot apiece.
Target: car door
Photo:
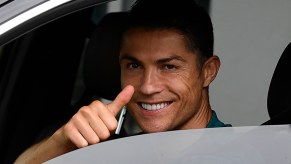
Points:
(39, 60)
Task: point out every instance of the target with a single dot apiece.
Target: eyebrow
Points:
(159, 61)
(171, 58)
(128, 57)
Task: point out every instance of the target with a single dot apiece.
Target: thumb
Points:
(122, 99)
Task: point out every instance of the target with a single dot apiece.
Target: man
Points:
(167, 64)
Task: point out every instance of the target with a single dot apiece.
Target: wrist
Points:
(60, 140)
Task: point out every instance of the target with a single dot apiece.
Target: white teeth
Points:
(159, 106)
(148, 107)
(154, 106)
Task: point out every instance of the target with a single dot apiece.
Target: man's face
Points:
(168, 84)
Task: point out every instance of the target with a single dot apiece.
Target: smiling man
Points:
(167, 56)
(167, 65)
(170, 90)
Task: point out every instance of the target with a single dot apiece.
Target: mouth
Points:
(155, 106)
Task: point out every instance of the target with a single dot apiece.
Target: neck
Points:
(202, 117)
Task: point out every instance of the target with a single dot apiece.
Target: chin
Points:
(153, 128)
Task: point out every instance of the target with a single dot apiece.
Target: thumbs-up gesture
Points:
(95, 122)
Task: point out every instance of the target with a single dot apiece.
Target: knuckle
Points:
(97, 103)
(69, 131)
(85, 110)
(75, 119)
(68, 128)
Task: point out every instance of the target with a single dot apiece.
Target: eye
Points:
(169, 67)
(133, 65)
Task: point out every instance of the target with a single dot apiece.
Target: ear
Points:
(210, 70)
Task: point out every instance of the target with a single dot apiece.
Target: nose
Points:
(151, 82)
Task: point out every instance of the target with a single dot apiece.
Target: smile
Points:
(157, 106)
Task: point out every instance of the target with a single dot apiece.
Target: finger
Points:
(85, 129)
(122, 99)
(74, 136)
(103, 113)
(108, 118)
(88, 133)
(100, 128)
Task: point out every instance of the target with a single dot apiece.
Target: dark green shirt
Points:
(214, 122)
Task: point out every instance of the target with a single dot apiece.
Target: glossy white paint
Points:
(28, 14)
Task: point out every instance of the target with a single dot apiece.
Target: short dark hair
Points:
(185, 16)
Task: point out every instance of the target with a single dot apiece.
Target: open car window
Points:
(39, 63)
(41, 60)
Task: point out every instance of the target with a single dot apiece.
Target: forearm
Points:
(45, 150)
(90, 125)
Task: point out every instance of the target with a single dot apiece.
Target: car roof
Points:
(20, 17)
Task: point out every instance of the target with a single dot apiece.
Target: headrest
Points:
(279, 95)
(101, 65)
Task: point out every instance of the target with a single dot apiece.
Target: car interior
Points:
(278, 100)
(38, 77)
(49, 73)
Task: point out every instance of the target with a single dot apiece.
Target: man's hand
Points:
(95, 122)
(90, 125)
